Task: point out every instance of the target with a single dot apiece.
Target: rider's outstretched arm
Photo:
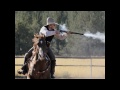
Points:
(61, 36)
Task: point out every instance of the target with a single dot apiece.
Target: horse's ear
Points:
(39, 36)
(36, 35)
(43, 36)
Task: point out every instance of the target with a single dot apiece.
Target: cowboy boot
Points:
(24, 68)
(53, 63)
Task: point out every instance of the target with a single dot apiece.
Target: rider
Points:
(49, 32)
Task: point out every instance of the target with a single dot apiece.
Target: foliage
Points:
(27, 23)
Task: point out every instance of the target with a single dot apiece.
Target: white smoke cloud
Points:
(63, 27)
(98, 35)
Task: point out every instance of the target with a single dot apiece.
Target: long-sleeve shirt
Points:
(49, 34)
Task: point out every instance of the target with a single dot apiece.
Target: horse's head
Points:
(40, 45)
(39, 64)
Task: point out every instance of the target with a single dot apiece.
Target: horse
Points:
(39, 64)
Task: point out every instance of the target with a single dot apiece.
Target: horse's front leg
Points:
(28, 76)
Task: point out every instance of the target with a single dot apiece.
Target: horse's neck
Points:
(40, 64)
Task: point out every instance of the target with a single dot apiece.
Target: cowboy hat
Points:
(51, 21)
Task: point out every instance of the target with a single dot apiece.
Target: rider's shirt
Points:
(49, 34)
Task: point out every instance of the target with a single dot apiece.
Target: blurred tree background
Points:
(27, 23)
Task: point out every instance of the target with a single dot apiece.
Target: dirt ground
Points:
(69, 68)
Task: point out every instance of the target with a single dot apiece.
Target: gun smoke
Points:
(63, 27)
(82, 43)
(98, 35)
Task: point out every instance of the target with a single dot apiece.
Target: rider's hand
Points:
(57, 32)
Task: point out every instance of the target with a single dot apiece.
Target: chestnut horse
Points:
(39, 63)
